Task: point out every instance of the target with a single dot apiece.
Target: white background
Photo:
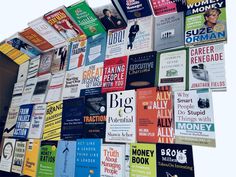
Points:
(209, 162)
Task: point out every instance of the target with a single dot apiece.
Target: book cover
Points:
(77, 54)
(172, 69)
(40, 26)
(155, 122)
(10, 122)
(114, 74)
(164, 7)
(115, 43)
(33, 67)
(169, 31)
(23, 121)
(60, 60)
(41, 88)
(141, 70)
(121, 117)
(52, 126)
(142, 160)
(95, 116)
(135, 8)
(55, 87)
(22, 72)
(17, 94)
(139, 35)
(28, 90)
(207, 67)
(45, 63)
(47, 159)
(62, 22)
(92, 79)
(127, 160)
(194, 118)
(96, 49)
(112, 160)
(31, 157)
(19, 156)
(37, 121)
(72, 119)
(72, 83)
(7, 154)
(205, 22)
(88, 157)
(85, 18)
(34, 38)
(174, 160)
(65, 159)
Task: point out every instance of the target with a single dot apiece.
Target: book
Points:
(155, 123)
(136, 8)
(96, 49)
(63, 23)
(28, 90)
(141, 70)
(47, 159)
(10, 122)
(88, 157)
(169, 31)
(95, 116)
(77, 54)
(22, 72)
(72, 83)
(52, 125)
(200, 27)
(172, 69)
(174, 160)
(31, 157)
(115, 43)
(165, 7)
(72, 119)
(91, 83)
(85, 18)
(37, 121)
(23, 121)
(17, 94)
(33, 67)
(109, 13)
(7, 154)
(55, 87)
(207, 67)
(194, 118)
(121, 117)
(19, 157)
(112, 160)
(34, 38)
(65, 159)
(139, 35)
(40, 26)
(45, 63)
(60, 60)
(143, 160)
(127, 160)
(41, 88)
(114, 74)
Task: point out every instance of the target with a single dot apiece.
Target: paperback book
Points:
(10, 122)
(28, 90)
(17, 94)
(45, 63)
(22, 72)
(33, 67)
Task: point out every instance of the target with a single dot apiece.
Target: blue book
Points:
(96, 49)
(65, 161)
(88, 157)
(23, 121)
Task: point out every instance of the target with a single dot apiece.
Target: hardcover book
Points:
(45, 63)
(22, 72)
(17, 94)
(28, 90)
(10, 122)
(155, 122)
(121, 115)
(194, 119)
(33, 67)
(141, 70)
(205, 22)
(95, 116)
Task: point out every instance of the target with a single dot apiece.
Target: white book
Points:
(11, 122)
(33, 67)
(28, 90)
(17, 94)
(22, 72)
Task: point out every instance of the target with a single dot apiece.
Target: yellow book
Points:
(23, 58)
(5, 48)
(193, 1)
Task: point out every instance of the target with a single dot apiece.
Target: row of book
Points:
(91, 157)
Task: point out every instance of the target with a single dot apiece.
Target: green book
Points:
(86, 19)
